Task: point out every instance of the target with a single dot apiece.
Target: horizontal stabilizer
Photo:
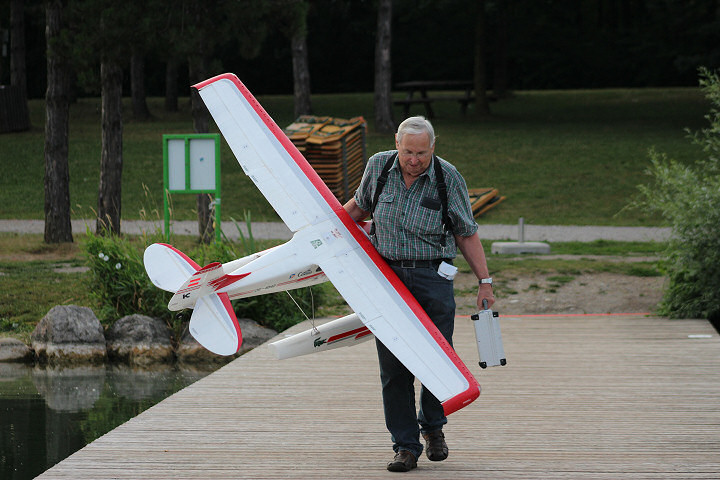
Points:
(168, 267)
(214, 324)
(343, 332)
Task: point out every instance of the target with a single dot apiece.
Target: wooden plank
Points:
(581, 397)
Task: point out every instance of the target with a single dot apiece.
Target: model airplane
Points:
(327, 244)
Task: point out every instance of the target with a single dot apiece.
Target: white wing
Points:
(328, 237)
(262, 149)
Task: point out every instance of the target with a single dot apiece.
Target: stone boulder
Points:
(13, 350)
(253, 335)
(69, 335)
(139, 340)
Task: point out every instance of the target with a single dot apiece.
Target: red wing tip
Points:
(461, 400)
(229, 76)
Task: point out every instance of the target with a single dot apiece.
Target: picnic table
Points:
(422, 87)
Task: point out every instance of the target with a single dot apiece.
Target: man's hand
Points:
(485, 292)
(355, 212)
(472, 250)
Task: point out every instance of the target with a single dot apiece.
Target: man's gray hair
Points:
(414, 126)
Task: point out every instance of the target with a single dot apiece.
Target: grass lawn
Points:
(560, 157)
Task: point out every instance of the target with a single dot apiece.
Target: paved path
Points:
(582, 397)
(277, 230)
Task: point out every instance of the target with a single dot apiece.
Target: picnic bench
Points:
(422, 87)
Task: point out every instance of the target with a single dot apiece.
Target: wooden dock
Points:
(593, 397)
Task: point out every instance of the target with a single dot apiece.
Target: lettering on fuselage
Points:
(302, 274)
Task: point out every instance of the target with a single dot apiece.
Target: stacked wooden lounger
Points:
(483, 199)
(335, 147)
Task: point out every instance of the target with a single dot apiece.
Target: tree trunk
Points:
(482, 106)
(200, 114)
(206, 220)
(201, 124)
(57, 174)
(18, 71)
(137, 86)
(301, 74)
(384, 122)
(171, 85)
(500, 82)
(111, 159)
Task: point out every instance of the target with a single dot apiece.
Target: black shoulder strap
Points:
(381, 181)
(442, 192)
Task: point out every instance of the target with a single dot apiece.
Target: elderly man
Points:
(420, 214)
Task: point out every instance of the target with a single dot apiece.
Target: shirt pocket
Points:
(385, 210)
(426, 220)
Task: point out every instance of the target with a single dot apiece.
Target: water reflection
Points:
(69, 389)
(47, 414)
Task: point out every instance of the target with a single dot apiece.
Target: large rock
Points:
(13, 350)
(139, 340)
(253, 335)
(69, 335)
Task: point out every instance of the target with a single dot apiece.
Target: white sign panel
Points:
(176, 164)
(202, 164)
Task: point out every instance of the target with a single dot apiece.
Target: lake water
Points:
(48, 414)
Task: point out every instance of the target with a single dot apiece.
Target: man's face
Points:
(414, 153)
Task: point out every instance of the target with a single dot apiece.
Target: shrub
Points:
(118, 281)
(688, 197)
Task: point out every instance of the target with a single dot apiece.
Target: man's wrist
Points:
(485, 281)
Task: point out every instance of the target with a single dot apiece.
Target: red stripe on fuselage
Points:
(226, 280)
(301, 279)
(344, 335)
(363, 334)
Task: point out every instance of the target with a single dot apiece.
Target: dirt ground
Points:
(549, 294)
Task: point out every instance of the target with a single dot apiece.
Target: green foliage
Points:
(117, 279)
(688, 197)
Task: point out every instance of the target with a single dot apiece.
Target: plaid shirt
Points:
(408, 221)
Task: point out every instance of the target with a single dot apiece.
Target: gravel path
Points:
(277, 230)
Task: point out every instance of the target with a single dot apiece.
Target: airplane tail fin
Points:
(168, 267)
(213, 323)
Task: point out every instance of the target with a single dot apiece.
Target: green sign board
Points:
(191, 164)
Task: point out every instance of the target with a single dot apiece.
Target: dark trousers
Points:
(435, 295)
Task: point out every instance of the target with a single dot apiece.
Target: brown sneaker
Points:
(404, 461)
(435, 447)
